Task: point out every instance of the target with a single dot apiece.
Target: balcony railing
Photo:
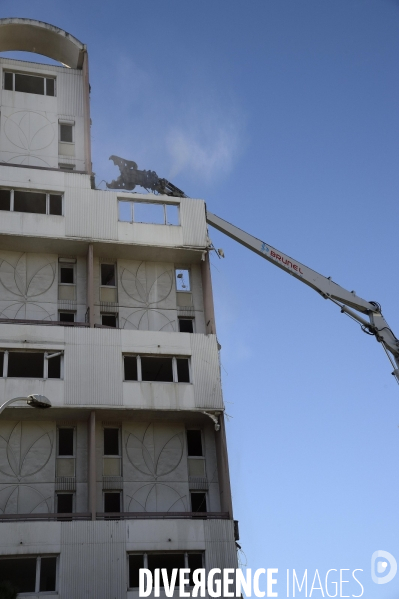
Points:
(115, 516)
(162, 516)
(50, 323)
(43, 517)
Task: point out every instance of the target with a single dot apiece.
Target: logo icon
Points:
(383, 561)
(264, 247)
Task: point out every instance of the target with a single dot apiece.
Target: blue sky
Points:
(284, 116)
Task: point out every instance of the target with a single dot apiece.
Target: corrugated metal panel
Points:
(220, 547)
(70, 93)
(93, 560)
(91, 214)
(93, 367)
(193, 222)
(76, 180)
(206, 373)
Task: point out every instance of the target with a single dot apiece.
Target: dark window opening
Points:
(65, 441)
(48, 571)
(64, 505)
(25, 364)
(8, 77)
(194, 563)
(29, 84)
(56, 205)
(108, 275)
(66, 274)
(112, 502)
(157, 369)
(50, 87)
(5, 199)
(54, 368)
(165, 560)
(66, 317)
(198, 502)
(66, 133)
(66, 167)
(29, 201)
(130, 365)
(108, 320)
(183, 370)
(186, 325)
(20, 573)
(194, 443)
(111, 441)
(135, 563)
(1, 363)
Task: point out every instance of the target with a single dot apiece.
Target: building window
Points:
(183, 279)
(157, 369)
(67, 285)
(186, 325)
(194, 443)
(198, 501)
(25, 364)
(66, 442)
(108, 278)
(30, 574)
(112, 462)
(67, 275)
(53, 366)
(55, 206)
(67, 167)
(148, 212)
(30, 201)
(195, 456)
(65, 463)
(109, 320)
(35, 365)
(183, 370)
(65, 503)
(163, 369)
(29, 84)
(112, 502)
(66, 133)
(131, 371)
(167, 560)
(34, 202)
(5, 199)
(111, 442)
(66, 316)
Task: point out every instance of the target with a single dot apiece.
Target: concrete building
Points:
(105, 308)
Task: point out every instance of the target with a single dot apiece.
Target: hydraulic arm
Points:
(347, 300)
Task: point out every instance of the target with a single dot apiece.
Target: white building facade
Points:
(105, 308)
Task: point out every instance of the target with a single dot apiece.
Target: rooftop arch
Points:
(29, 35)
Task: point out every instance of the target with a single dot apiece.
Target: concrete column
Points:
(209, 310)
(226, 503)
(92, 477)
(90, 284)
(87, 120)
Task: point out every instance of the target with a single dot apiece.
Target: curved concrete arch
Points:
(29, 35)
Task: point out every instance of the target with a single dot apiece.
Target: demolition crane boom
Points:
(348, 301)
